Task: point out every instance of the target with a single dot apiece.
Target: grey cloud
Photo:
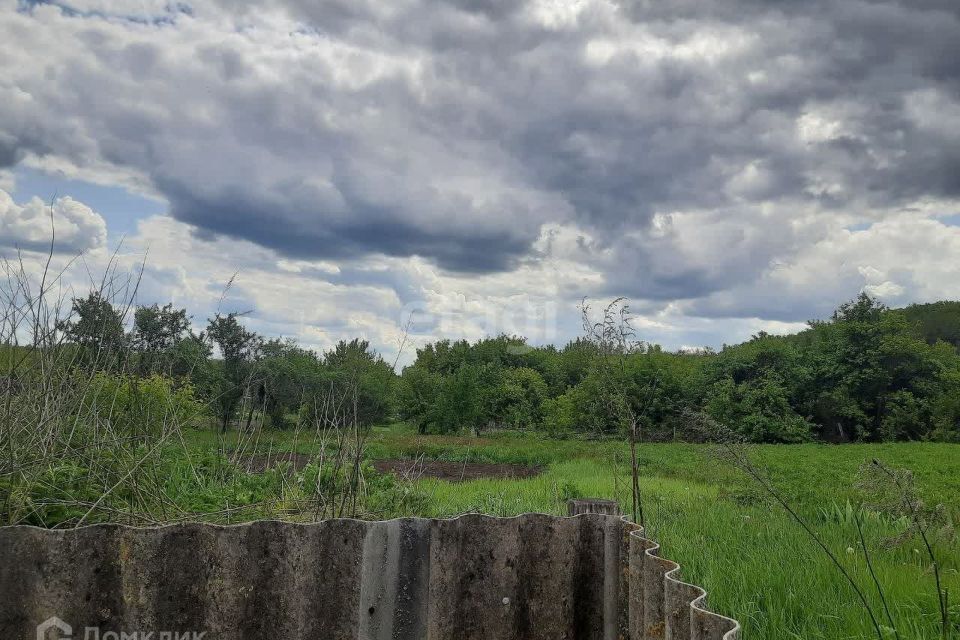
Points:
(400, 282)
(454, 130)
(770, 303)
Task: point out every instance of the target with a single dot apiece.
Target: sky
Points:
(460, 168)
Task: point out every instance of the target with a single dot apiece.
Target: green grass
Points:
(757, 564)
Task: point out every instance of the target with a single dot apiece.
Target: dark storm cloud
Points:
(454, 130)
(219, 213)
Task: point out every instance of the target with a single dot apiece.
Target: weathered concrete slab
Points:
(474, 577)
(579, 506)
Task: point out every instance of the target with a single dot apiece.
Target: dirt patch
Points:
(454, 471)
(409, 469)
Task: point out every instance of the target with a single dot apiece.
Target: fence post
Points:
(579, 506)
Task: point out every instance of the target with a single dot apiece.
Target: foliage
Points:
(291, 377)
(139, 407)
(758, 410)
(190, 359)
(866, 374)
(356, 370)
(157, 331)
(232, 378)
(520, 396)
(934, 322)
(95, 325)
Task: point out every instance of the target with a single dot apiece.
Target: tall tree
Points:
(291, 376)
(359, 372)
(417, 397)
(96, 326)
(238, 349)
(156, 333)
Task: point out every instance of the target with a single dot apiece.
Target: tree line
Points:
(868, 373)
(235, 373)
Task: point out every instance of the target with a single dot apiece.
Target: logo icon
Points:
(53, 629)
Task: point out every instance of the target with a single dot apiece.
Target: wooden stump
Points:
(578, 506)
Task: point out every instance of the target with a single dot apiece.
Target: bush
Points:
(758, 410)
(560, 415)
(140, 407)
(568, 490)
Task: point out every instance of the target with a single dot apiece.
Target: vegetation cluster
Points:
(867, 374)
(112, 412)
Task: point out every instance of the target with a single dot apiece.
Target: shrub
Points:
(139, 407)
(758, 410)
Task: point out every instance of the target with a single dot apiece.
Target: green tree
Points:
(934, 322)
(190, 359)
(418, 397)
(862, 361)
(156, 333)
(576, 359)
(357, 371)
(522, 393)
(945, 406)
(96, 327)
(239, 349)
(468, 397)
(561, 415)
(754, 388)
(758, 409)
(662, 387)
(291, 376)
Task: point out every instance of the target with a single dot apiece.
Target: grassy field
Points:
(756, 562)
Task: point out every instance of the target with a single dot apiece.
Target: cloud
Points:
(742, 164)
(903, 259)
(456, 131)
(77, 227)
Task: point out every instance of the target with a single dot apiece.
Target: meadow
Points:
(148, 427)
(756, 562)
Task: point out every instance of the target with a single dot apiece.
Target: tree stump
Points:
(578, 506)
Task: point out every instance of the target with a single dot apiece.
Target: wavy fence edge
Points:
(680, 608)
(529, 577)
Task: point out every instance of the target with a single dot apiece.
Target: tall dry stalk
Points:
(733, 449)
(614, 339)
(73, 450)
(895, 493)
(57, 418)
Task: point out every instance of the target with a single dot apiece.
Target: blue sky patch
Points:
(121, 209)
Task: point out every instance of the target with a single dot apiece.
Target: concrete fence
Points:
(474, 577)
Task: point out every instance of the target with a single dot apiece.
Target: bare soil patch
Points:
(454, 471)
(408, 469)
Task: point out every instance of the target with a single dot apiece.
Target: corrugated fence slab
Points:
(529, 577)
